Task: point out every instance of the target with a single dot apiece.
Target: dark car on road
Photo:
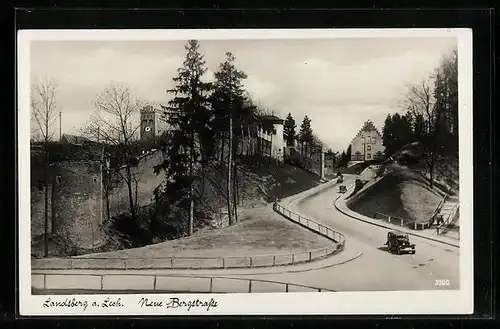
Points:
(399, 243)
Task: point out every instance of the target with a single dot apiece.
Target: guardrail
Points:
(401, 221)
(444, 227)
(181, 263)
(226, 262)
(439, 206)
(162, 282)
(314, 226)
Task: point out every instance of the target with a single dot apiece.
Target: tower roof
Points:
(148, 109)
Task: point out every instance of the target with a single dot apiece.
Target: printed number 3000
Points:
(442, 282)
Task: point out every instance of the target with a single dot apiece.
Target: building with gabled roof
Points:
(74, 139)
(367, 144)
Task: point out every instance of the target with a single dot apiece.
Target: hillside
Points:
(404, 191)
(259, 182)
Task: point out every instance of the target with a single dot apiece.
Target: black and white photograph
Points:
(245, 172)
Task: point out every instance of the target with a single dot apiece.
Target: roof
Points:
(270, 118)
(74, 139)
(149, 109)
(367, 126)
(398, 233)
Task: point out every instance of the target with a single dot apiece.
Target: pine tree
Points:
(306, 135)
(289, 130)
(231, 110)
(387, 135)
(348, 154)
(188, 114)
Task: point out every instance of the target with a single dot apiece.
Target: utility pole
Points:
(321, 163)
(60, 125)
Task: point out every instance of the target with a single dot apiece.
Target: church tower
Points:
(148, 123)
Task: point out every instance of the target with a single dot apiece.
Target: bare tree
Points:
(420, 102)
(43, 108)
(115, 122)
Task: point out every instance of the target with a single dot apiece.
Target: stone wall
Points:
(73, 202)
(76, 203)
(144, 179)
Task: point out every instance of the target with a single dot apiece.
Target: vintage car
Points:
(342, 189)
(399, 243)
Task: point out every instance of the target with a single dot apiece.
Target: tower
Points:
(148, 127)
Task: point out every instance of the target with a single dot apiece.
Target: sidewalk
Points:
(349, 253)
(429, 234)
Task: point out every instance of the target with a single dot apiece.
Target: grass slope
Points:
(258, 232)
(405, 192)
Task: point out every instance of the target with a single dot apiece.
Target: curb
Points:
(390, 228)
(282, 268)
(356, 256)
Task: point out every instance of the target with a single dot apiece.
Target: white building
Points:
(270, 137)
(367, 144)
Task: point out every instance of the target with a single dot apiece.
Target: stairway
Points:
(448, 209)
(451, 217)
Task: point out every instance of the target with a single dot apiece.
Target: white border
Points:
(339, 303)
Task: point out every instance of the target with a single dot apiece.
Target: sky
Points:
(337, 83)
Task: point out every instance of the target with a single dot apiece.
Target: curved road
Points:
(376, 269)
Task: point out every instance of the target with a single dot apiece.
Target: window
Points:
(368, 156)
(368, 148)
(373, 140)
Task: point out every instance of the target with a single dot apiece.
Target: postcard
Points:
(245, 172)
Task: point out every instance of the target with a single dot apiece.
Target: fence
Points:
(161, 283)
(401, 221)
(444, 227)
(227, 262)
(439, 206)
(180, 263)
(316, 227)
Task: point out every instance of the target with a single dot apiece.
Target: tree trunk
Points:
(191, 199)
(130, 194)
(242, 140)
(223, 142)
(203, 165)
(236, 187)
(249, 149)
(136, 194)
(53, 208)
(108, 213)
(229, 164)
(46, 204)
(46, 241)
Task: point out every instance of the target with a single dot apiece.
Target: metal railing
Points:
(439, 206)
(444, 227)
(161, 283)
(402, 222)
(225, 262)
(314, 226)
(181, 263)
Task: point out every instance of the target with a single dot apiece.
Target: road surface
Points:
(376, 269)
